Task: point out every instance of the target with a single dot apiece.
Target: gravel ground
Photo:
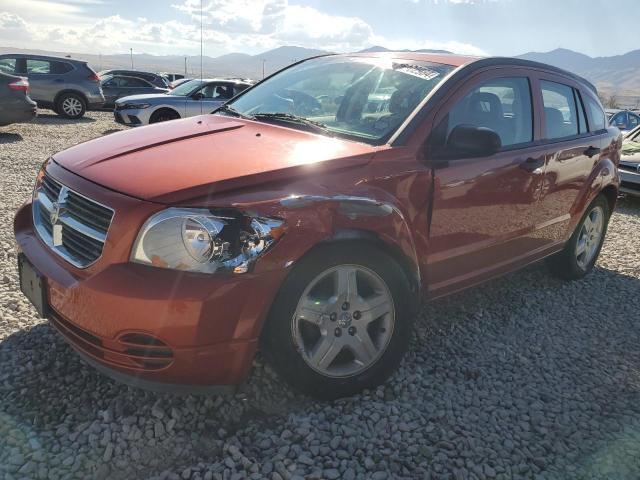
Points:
(524, 377)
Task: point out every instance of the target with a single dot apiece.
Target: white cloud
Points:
(249, 26)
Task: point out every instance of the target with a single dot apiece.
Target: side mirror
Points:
(197, 96)
(469, 141)
(621, 126)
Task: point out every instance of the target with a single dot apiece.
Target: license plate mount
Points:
(33, 285)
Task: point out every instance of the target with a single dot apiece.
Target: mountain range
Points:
(617, 75)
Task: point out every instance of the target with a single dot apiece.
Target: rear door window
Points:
(38, 66)
(634, 121)
(501, 104)
(8, 65)
(560, 112)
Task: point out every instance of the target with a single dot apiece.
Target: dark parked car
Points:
(15, 104)
(169, 254)
(118, 86)
(153, 78)
(624, 120)
(67, 86)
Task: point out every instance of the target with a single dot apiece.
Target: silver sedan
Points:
(191, 98)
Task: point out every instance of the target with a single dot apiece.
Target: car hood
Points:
(196, 157)
(150, 96)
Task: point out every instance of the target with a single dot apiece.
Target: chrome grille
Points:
(72, 225)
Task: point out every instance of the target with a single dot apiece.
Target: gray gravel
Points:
(525, 377)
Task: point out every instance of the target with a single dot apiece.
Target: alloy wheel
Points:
(589, 237)
(71, 106)
(344, 321)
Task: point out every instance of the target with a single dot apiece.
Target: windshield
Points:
(186, 88)
(361, 98)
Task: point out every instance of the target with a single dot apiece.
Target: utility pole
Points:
(263, 62)
(131, 52)
(185, 67)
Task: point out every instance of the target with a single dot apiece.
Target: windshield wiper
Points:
(233, 112)
(290, 118)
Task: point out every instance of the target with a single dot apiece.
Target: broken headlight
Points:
(198, 240)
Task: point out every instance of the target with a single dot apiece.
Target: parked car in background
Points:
(153, 78)
(67, 86)
(176, 83)
(191, 98)
(314, 229)
(625, 120)
(629, 167)
(118, 86)
(15, 104)
(172, 77)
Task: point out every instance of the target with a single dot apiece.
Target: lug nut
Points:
(357, 315)
(352, 331)
(338, 332)
(345, 306)
(333, 317)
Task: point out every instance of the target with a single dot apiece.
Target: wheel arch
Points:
(70, 90)
(163, 108)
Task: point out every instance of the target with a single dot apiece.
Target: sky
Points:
(163, 27)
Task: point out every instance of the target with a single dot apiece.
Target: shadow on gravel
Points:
(524, 377)
(6, 137)
(53, 118)
(111, 130)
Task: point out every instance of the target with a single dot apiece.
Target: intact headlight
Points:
(135, 106)
(198, 240)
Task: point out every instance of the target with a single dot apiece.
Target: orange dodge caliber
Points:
(311, 215)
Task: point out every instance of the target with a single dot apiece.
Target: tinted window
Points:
(60, 68)
(634, 121)
(135, 82)
(8, 65)
(501, 104)
(560, 113)
(597, 119)
(38, 66)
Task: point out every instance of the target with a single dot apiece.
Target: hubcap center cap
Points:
(344, 320)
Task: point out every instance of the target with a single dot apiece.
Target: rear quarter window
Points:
(597, 118)
(60, 68)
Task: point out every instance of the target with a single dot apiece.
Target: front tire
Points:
(583, 248)
(341, 321)
(71, 105)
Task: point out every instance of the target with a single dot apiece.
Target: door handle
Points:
(531, 164)
(58, 80)
(591, 151)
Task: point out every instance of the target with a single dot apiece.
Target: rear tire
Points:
(71, 105)
(331, 342)
(583, 248)
(164, 115)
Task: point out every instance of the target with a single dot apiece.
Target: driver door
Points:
(483, 208)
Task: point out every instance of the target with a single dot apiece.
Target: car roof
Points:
(444, 58)
(112, 75)
(43, 57)
(455, 60)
